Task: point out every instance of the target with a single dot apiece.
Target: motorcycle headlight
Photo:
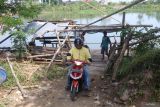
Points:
(78, 63)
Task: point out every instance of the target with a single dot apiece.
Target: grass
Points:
(10, 80)
(23, 72)
(72, 11)
(56, 72)
(2, 105)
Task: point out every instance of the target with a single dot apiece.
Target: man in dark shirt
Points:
(104, 45)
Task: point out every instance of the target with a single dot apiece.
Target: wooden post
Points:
(123, 19)
(17, 81)
(119, 60)
(122, 36)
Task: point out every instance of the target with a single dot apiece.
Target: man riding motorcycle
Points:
(80, 53)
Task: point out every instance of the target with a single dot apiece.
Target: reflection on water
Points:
(131, 18)
(155, 15)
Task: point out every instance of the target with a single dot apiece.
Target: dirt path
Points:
(53, 94)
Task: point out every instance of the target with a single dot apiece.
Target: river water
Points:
(93, 40)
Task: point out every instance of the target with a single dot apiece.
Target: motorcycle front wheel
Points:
(73, 94)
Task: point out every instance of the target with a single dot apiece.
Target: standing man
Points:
(104, 45)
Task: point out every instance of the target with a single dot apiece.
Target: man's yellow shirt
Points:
(82, 54)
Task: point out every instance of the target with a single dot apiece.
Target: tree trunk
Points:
(119, 60)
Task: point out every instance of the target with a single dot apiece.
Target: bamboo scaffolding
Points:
(53, 58)
(109, 28)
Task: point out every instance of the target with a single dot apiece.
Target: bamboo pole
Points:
(136, 2)
(122, 37)
(35, 56)
(112, 25)
(53, 58)
(26, 87)
(100, 28)
(17, 81)
(57, 35)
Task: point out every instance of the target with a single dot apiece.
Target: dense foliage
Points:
(143, 66)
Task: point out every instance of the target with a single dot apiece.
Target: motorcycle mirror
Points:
(68, 54)
(90, 59)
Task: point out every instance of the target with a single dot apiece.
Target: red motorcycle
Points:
(76, 75)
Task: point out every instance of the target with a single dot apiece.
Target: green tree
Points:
(12, 15)
(19, 38)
